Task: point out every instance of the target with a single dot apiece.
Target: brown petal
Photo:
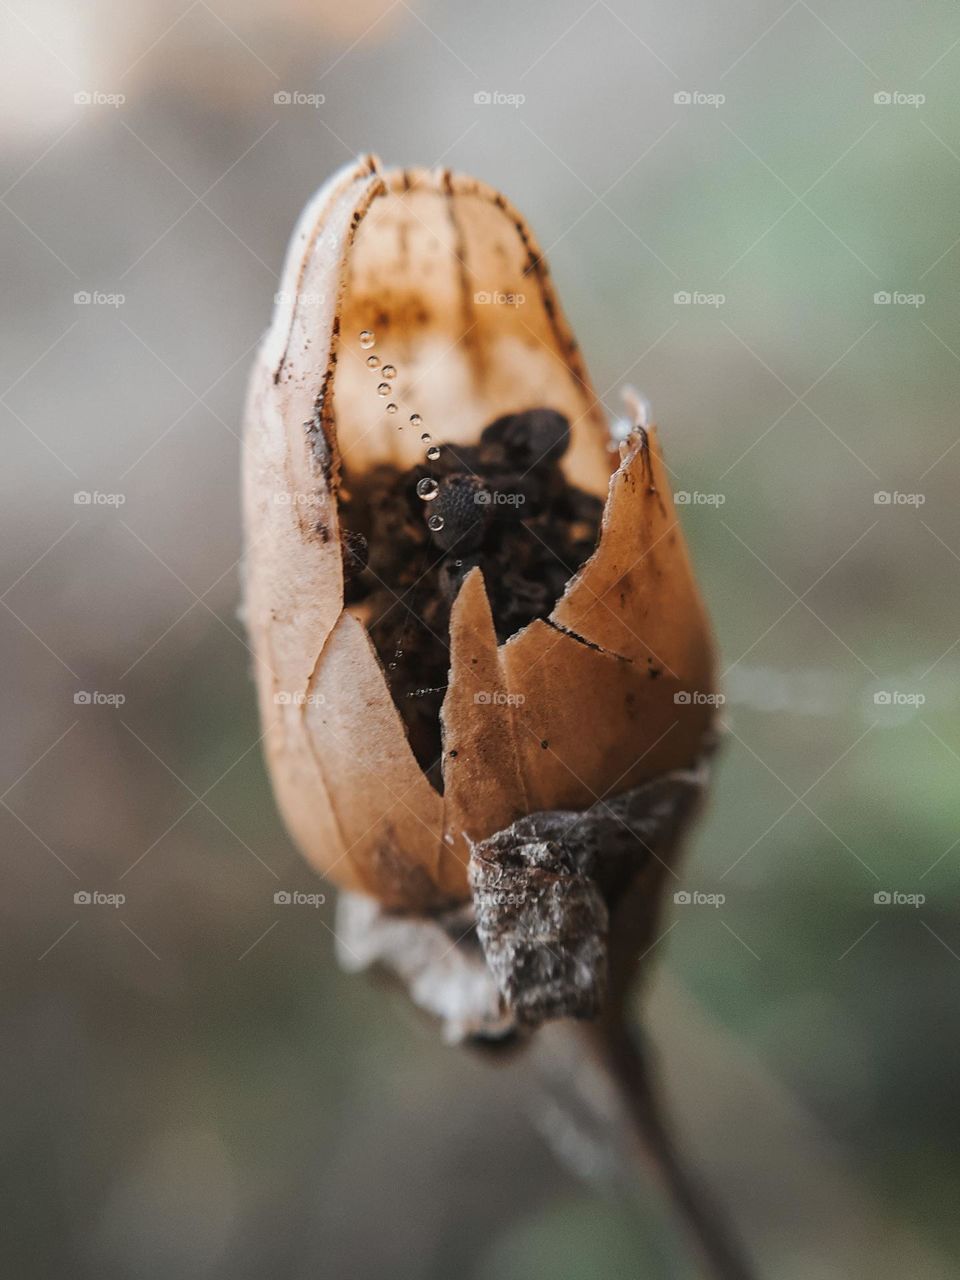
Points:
(599, 686)
(636, 595)
(482, 780)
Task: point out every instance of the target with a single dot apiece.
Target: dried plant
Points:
(485, 671)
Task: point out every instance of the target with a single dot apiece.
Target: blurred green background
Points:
(191, 1088)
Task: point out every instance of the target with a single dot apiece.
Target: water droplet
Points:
(391, 408)
(435, 523)
(415, 419)
(389, 371)
(425, 437)
(373, 362)
(458, 564)
(383, 389)
(433, 453)
(367, 339)
(427, 488)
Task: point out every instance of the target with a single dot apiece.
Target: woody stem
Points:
(604, 1070)
(714, 1239)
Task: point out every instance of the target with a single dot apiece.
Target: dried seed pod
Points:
(549, 673)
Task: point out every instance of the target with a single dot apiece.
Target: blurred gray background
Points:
(190, 1087)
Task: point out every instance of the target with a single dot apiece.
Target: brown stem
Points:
(609, 1089)
(721, 1253)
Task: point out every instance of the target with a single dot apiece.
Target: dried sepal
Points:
(546, 887)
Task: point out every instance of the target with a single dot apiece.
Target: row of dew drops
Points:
(427, 488)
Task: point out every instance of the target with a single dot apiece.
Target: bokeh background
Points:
(190, 1087)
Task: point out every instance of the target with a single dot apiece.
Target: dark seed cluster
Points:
(410, 538)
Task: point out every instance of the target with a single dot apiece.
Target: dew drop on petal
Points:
(427, 488)
(415, 419)
(391, 408)
(366, 339)
(373, 362)
(425, 437)
(435, 522)
(389, 371)
(433, 453)
(383, 389)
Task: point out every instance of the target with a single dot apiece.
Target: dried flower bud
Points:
(482, 659)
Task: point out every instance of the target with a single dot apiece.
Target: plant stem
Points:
(605, 1076)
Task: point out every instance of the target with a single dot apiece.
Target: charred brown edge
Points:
(321, 427)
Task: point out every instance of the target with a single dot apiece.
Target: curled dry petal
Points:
(571, 709)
